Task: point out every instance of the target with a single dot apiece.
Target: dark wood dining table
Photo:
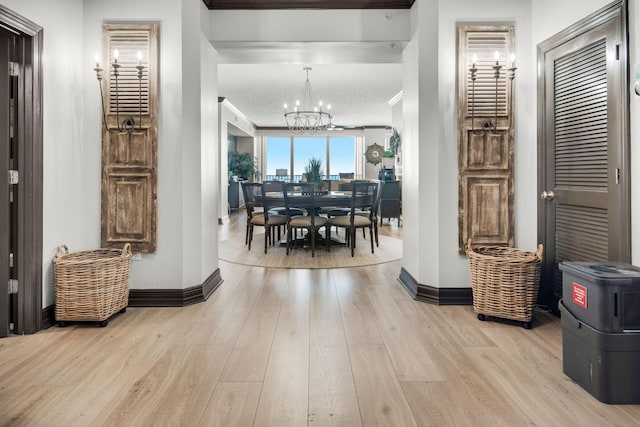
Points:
(322, 199)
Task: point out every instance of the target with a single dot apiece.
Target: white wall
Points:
(564, 14)
(187, 253)
(451, 13)
(65, 168)
(373, 136)
(162, 269)
(228, 113)
(421, 146)
(210, 178)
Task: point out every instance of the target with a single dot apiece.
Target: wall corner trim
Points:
(175, 297)
(433, 295)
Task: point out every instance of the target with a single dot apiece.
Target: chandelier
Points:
(128, 124)
(307, 115)
(488, 125)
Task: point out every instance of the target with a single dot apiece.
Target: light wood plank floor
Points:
(293, 347)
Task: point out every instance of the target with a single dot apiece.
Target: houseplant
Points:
(313, 170)
(243, 165)
(394, 141)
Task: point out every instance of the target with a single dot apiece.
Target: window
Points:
(305, 148)
(342, 156)
(278, 161)
(286, 157)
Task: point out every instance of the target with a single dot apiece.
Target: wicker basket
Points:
(504, 281)
(91, 285)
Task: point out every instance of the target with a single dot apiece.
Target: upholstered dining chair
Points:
(251, 192)
(363, 197)
(296, 195)
(253, 197)
(272, 196)
(373, 212)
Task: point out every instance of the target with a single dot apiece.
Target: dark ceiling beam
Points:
(307, 4)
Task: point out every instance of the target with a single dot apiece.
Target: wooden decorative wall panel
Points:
(485, 160)
(129, 159)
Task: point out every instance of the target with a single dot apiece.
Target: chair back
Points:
(301, 195)
(273, 186)
(272, 196)
(252, 192)
(363, 197)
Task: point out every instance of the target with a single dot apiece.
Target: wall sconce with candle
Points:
(128, 124)
(488, 125)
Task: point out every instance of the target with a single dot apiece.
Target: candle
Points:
(496, 56)
(474, 59)
(139, 58)
(97, 60)
(285, 108)
(512, 58)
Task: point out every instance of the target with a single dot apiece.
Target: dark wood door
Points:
(584, 192)
(5, 209)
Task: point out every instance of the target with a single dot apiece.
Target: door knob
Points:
(547, 195)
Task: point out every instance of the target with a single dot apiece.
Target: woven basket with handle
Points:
(91, 285)
(504, 281)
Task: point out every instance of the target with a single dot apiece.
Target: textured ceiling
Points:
(358, 93)
(357, 79)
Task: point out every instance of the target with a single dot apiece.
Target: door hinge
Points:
(11, 260)
(13, 286)
(14, 177)
(617, 175)
(618, 52)
(14, 69)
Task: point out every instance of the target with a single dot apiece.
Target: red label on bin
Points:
(579, 295)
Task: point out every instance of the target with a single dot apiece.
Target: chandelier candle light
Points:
(308, 116)
(128, 124)
(489, 126)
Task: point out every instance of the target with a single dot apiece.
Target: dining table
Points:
(302, 200)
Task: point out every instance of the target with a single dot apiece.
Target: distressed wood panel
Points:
(132, 149)
(486, 207)
(485, 160)
(127, 216)
(129, 159)
(486, 151)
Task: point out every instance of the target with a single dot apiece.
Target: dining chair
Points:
(272, 196)
(373, 211)
(295, 196)
(253, 196)
(363, 197)
(251, 192)
(390, 204)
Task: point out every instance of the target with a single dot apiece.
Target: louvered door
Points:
(485, 160)
(129, 158)
(583, 203)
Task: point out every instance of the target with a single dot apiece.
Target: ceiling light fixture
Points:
(307, 115)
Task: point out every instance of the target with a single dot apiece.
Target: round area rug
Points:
(234, 250)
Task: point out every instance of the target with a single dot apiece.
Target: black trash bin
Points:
(601, 329)
(604, 295)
